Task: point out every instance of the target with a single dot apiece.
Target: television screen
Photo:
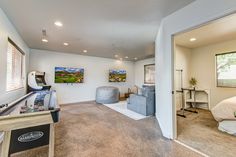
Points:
(117, 76)
(69, 75)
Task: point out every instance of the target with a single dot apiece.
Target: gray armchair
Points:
(144, 103)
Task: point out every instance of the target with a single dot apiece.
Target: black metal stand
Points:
(181, 91)
(190, 111)
(192, 95)
(181, 115)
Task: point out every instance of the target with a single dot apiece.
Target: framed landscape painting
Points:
(117, 75)
(69, 75)
(149, 74)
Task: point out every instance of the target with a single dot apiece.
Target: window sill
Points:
(15, 90)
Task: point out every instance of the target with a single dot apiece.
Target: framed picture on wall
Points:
(149, 74)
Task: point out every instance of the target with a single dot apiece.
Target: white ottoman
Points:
(107, 95)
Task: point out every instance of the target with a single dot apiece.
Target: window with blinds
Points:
(15, 57)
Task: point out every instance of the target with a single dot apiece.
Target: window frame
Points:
(22, 65)
(216, 73)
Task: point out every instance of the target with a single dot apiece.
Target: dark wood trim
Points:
(145, 74)
(224, 53)
(17, 47)
(218, 86)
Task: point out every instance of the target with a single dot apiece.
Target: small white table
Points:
(198, 97)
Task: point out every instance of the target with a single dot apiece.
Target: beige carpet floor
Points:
(200, 132)
(92, 130)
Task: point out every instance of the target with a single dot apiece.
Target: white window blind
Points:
(14, 67)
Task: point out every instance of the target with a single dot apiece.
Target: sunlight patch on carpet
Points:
(121, 107)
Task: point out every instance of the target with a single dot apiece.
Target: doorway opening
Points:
(205, 81)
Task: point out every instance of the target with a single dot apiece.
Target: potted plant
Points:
(193, 82)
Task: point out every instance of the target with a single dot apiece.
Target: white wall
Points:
(198, 12)
(139, 70)
(183, 62)
(204, 70)
(96, 73)
(183, 58)
(200, 63)
(8, 30)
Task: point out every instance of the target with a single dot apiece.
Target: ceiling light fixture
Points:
(193, 39)
(44, 33)
(58, 23)
(135, 58)
(65, 44)
(126, 57)
(44, 40)
(85, 51)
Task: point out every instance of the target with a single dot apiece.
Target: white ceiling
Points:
(103, 27)
(217, 31)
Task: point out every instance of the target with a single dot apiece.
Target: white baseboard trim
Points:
(161, 127)
(73, 103)
(191, 148)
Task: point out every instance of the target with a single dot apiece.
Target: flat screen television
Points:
(117, 76)
(69, 75)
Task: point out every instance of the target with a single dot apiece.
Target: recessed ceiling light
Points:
(58, 23)
(65, 44)
(116, 56)
(135, 58)
(44, 40)
(193, 39)
(85, 51)
(126, 57)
